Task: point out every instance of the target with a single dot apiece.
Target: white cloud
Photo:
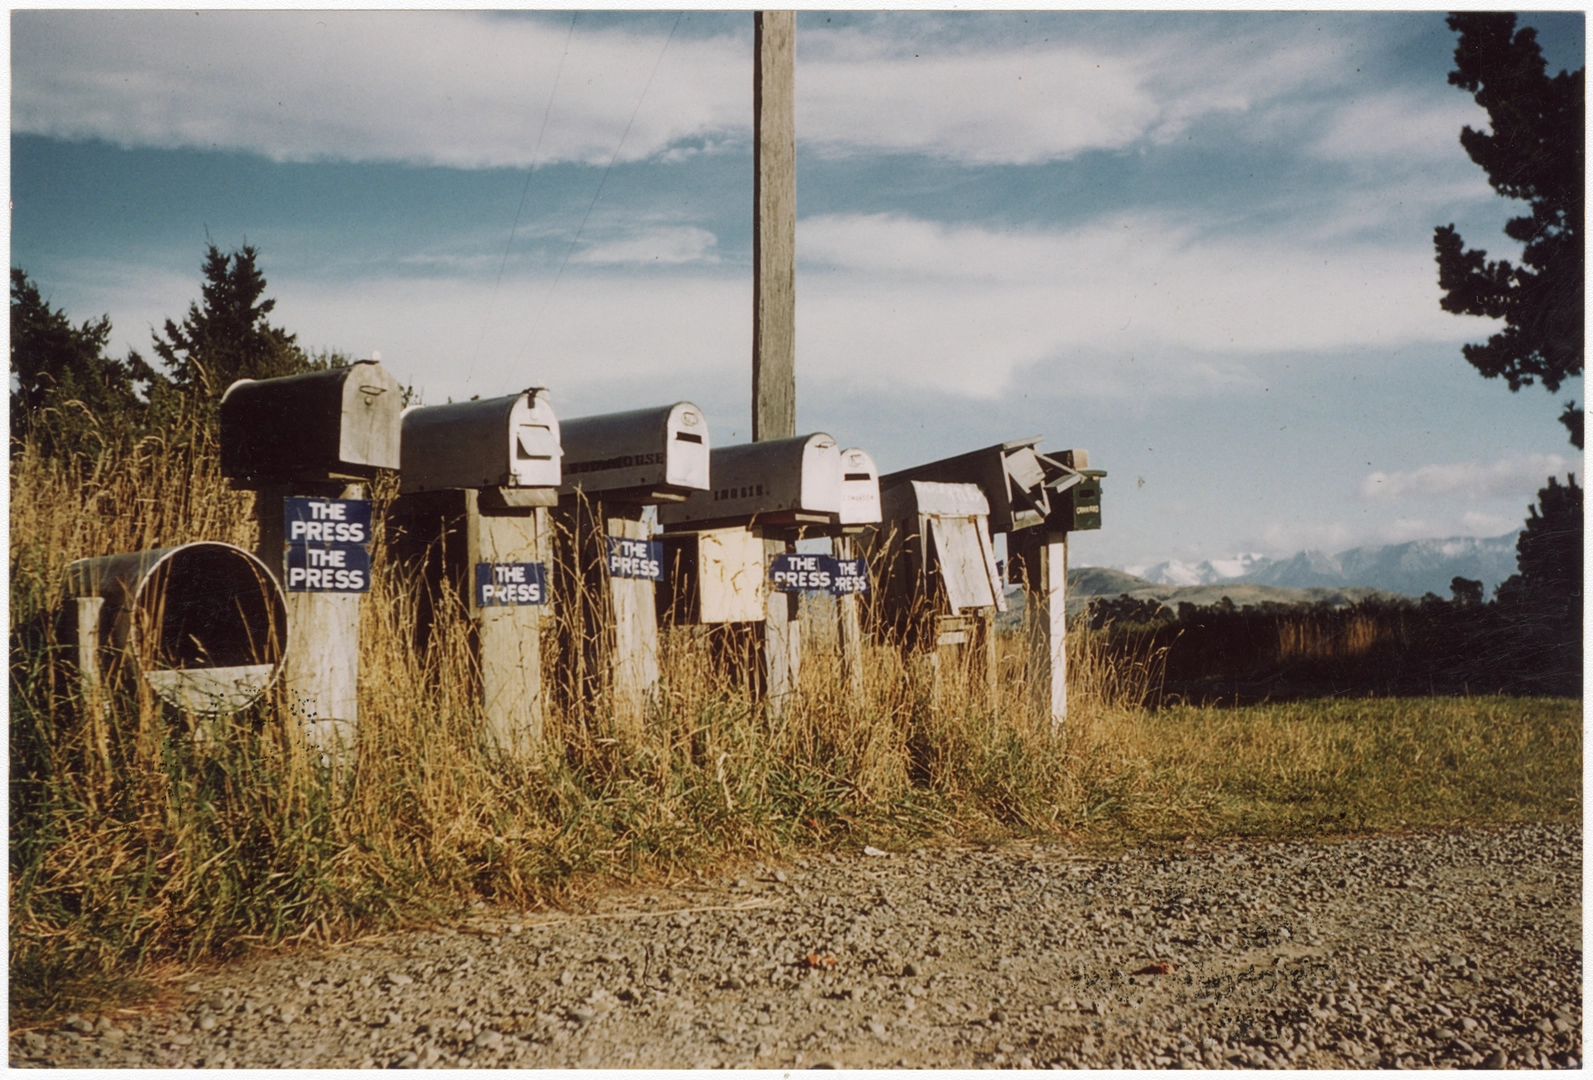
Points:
(1400, 128)
(1283, 538)
(444, 88)
(669, 246)
(469, 90)
(1126, 305)
(1513, 475)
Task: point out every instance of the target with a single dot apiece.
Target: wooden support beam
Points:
(320, 675)
(1043, 562)
(635, 657)
(774, 302)
(849, 633)
(509, 637)
(774, 225)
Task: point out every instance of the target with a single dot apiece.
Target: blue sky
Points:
(1196, 244)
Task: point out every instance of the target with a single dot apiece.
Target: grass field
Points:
(137, 850)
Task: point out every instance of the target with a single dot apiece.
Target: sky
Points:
(1197, 245)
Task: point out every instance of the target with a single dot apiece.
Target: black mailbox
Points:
(341, 424)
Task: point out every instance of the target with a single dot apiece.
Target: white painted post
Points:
(320, 676)
(508, 637)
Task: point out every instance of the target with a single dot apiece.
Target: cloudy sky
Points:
(1198, 245)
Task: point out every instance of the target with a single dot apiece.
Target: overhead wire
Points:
(536, 152)
(557, 277)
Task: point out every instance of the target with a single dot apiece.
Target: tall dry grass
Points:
(137, 848)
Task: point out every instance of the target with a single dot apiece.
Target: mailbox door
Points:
(860, 503)
(534, 452)
(372, 420)
(688, 451)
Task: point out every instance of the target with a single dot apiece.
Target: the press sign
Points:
(328, 569)
(327, 521)
(326, 544)
(635, 558)
(818, 573)
(510, 584)
(850, 577)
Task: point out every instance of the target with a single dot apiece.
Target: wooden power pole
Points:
(774, 302)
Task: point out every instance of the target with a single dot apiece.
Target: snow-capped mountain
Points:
(1412, 568)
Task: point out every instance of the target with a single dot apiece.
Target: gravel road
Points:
(1452, 949)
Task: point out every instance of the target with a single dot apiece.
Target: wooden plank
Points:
(635, 657)
(774, 226)
(1042, 559)
(89, 609)
(319, 685)
(509, 644)
(782, 639)
(849, 633)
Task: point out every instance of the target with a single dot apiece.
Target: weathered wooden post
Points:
(1036, 500)
(778, 491)
(616, 465)
(774, 302)
(939, 586)
(472, 517)
(305, 444)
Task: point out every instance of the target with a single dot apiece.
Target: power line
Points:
(576, 239)
(530, 172)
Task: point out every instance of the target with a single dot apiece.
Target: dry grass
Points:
(136, 848)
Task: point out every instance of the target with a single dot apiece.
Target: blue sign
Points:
(819, 573)
(635, 558)
(850, 577)
(328, 569)
(326, 521)
(509, 584)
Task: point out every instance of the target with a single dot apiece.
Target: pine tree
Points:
(1536, 153)
(228, 338)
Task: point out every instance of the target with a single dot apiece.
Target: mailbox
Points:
(782, 482)
(341, 424)
(507, 445)
(1010, 474)
(204, 623)
(860, 503)
(944, 526)
(644, 456)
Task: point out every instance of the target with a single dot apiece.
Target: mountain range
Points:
(1412, 568)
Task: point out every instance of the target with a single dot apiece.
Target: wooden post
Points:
(773, 225)
(1044, 561)
(774, 301)
(634, 661)
(88, 646)
(509, 639)
(320, 676)
(849, 632)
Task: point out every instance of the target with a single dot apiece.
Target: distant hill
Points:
(1411, 569)
(1085, 583)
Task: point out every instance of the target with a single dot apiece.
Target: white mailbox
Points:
(644, 456)
(859, 488)
(507, 443)
(792, 482)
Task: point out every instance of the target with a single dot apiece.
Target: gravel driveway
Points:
(1457, 948)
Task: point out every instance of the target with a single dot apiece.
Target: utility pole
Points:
(774, 302)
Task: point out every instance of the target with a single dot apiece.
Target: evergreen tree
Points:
(1548, 582)
(68, 392)
(227, 338)
(1535, 152)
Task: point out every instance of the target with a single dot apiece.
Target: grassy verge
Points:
(137, 849)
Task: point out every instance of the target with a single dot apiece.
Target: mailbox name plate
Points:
(324, 569)
(818, 573)
(510, 584)
(635, 558)
(334, 522)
